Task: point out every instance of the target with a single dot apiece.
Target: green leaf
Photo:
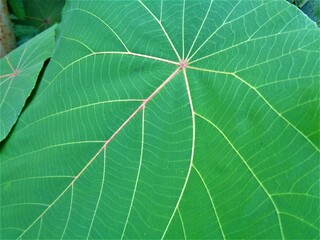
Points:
(17, 8)
(19, 73)
(22, 30)
(39, 14)
(42, 13)
(170, 119)
(310, 7)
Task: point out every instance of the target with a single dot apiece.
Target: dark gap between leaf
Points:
(27, 102)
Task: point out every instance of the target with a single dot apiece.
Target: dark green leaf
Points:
(40, 14)
(21, 30)
(17, 7)
(43, 13)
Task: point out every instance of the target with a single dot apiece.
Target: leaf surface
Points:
(42, 13)
(19, 73)
(17, 8)
(170, 119)
(39, 16)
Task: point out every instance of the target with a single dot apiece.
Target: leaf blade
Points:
(20, 70)
(199, 148)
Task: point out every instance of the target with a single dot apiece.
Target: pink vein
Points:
(14, 71)
(143, 104)
(138, 55)
(10, 65)
(7, 75)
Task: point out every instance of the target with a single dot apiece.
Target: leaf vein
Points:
(249, 168)
(211, 200)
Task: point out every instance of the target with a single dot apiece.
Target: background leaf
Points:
(17, 8)
(19, 73)
(310, 7)
(39, 14)
(25, 30)
(170, 119)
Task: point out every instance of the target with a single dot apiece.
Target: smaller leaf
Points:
(19, 73)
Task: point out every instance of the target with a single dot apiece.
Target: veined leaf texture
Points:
(170, 120)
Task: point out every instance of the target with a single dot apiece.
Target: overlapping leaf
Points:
(19, 73)
(170, 119)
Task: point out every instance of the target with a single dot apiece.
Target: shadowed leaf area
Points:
(34, 16)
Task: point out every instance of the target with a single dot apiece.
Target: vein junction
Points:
(181, 67)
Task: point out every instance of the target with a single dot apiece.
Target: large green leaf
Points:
(19, 73)
(170, 119)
